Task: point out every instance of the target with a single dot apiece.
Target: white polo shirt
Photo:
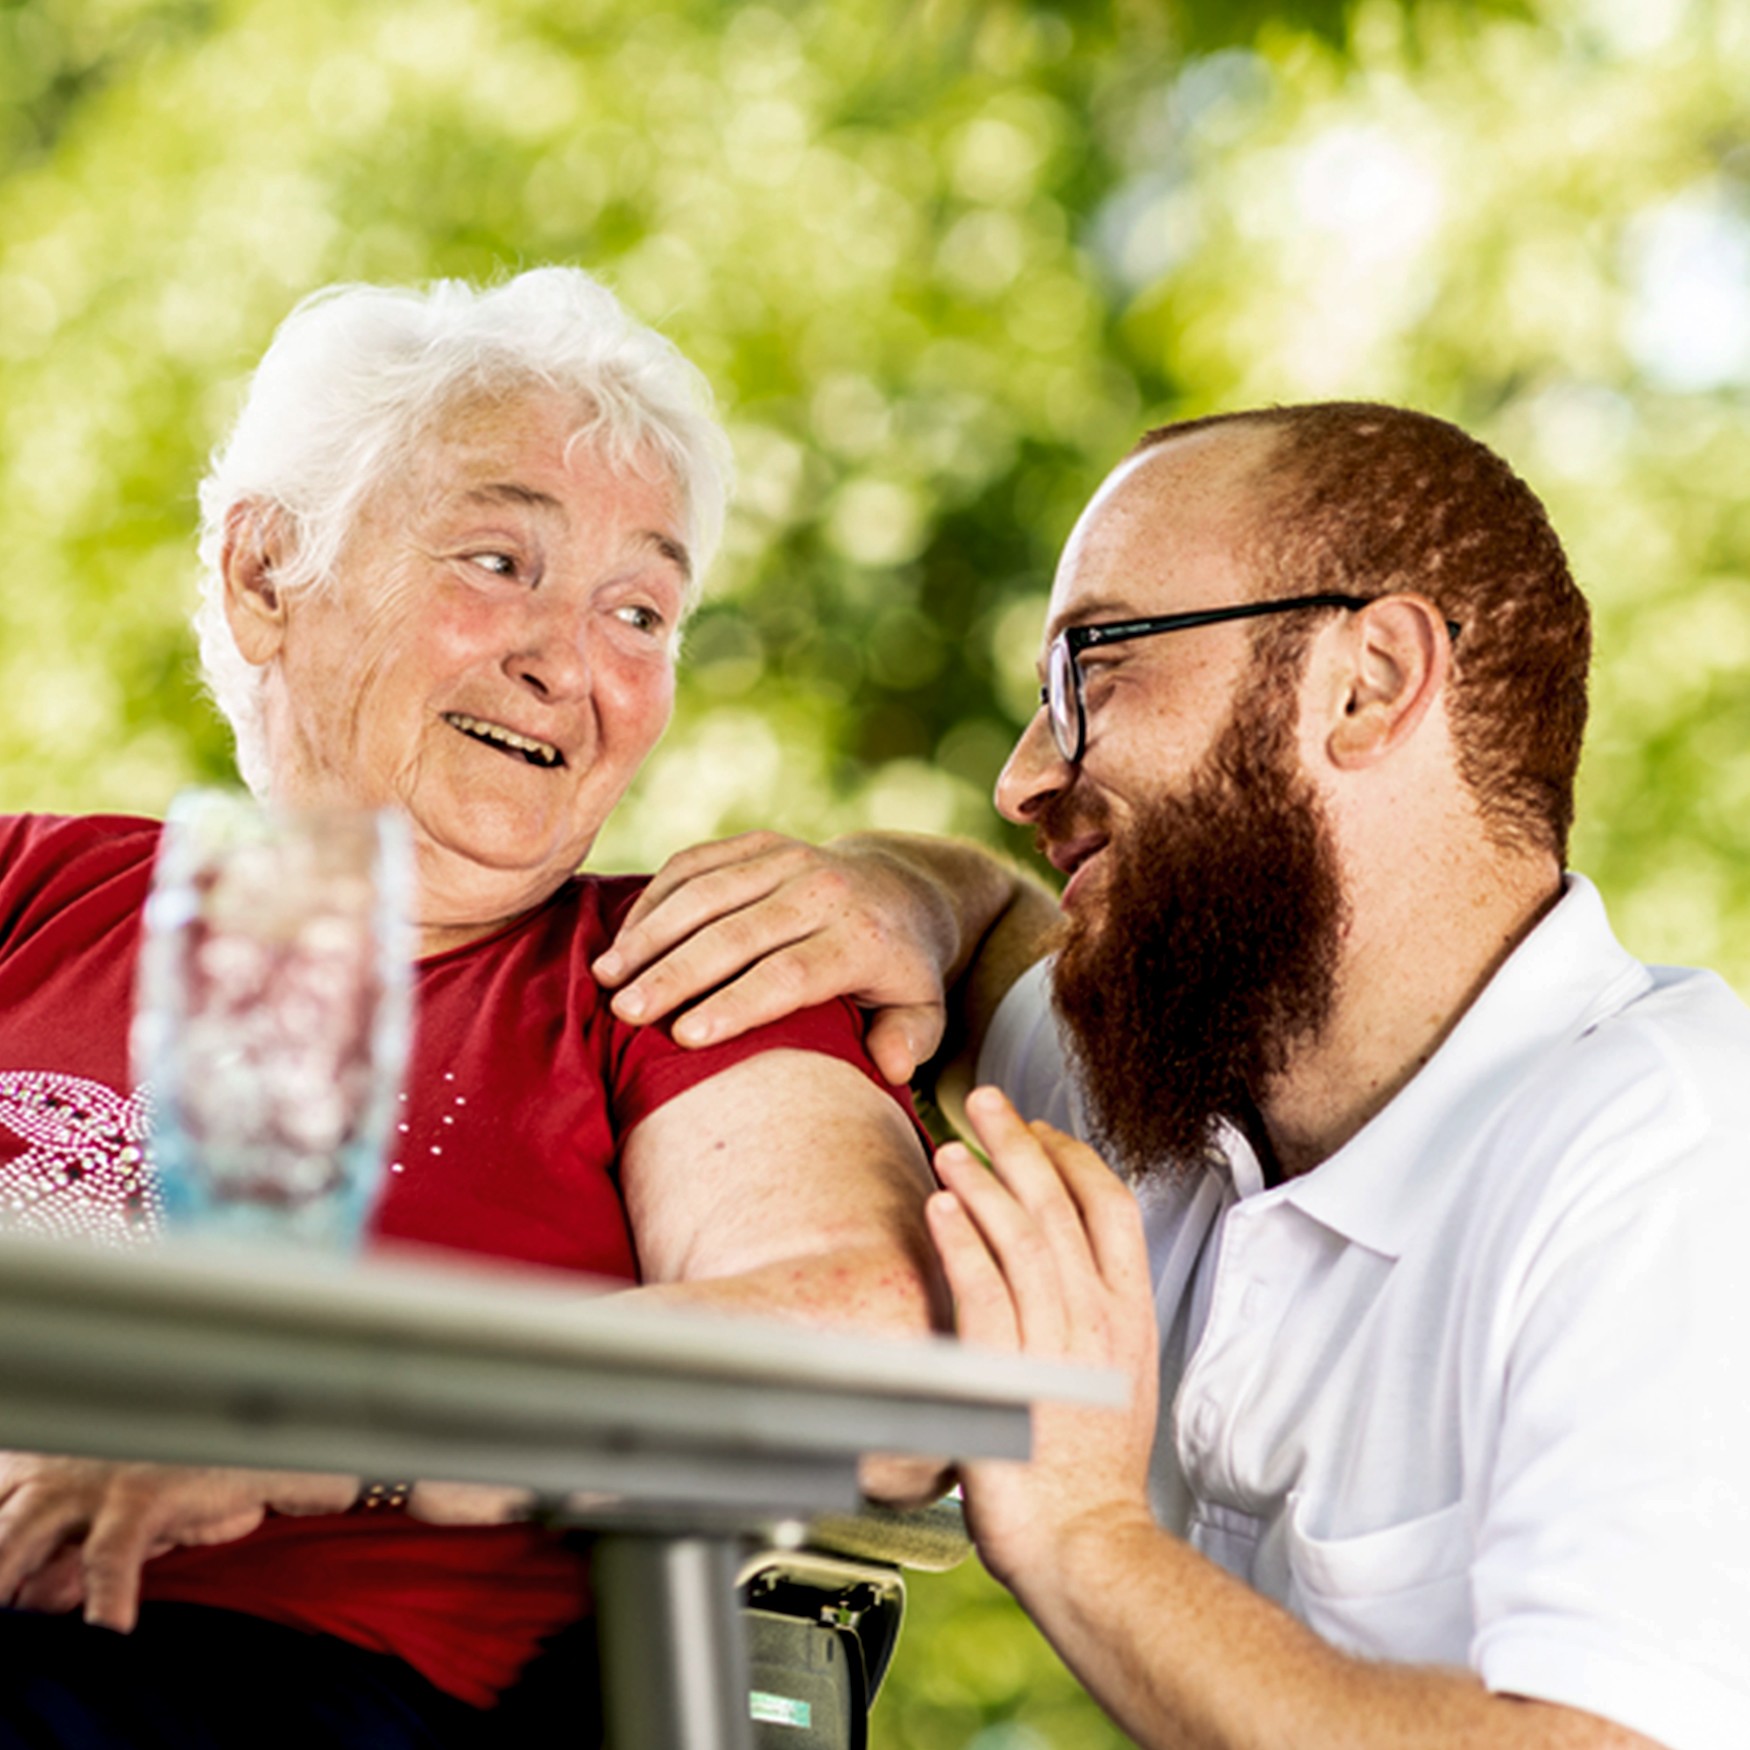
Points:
(1477, 1389)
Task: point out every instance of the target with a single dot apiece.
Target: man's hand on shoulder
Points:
(746, 930)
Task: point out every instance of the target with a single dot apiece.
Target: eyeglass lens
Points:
(1063, 699)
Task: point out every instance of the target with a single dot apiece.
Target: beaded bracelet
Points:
(379, 1496)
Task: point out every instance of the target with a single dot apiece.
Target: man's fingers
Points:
(1110, 1214)
(1024, 1158)
(1017, 1155)
(900, 1480)
(900, 1039)
(1019, 1247)
(697, 860)
(1056, 1174)
(691, 889)
(780, 984)
(716, 928)
(984, 1310)
(1078, 1214)
(731, 950)
(737, 934)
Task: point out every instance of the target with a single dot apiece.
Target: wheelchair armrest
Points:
(932, 1539)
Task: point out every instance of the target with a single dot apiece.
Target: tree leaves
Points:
(943, 261)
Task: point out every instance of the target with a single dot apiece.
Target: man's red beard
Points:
(1209, 953)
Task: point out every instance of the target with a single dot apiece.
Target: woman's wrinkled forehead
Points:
(484, 438)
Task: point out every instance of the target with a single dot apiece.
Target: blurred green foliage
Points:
(942, 261)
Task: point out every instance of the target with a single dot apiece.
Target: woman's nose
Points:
(552, 655)
(1033, 774)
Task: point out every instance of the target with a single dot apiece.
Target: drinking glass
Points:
(272, 1014)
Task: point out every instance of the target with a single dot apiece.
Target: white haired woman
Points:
(448, 549)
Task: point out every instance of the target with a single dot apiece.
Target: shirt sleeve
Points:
(1613, 1561)
(650, 1069)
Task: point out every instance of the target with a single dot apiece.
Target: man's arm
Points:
(928, 933)
(1044, 1253)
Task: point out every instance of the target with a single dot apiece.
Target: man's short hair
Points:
(1365, 499)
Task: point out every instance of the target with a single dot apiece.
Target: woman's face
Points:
(495, 655)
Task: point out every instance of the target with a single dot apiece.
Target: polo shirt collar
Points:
(1567, 975)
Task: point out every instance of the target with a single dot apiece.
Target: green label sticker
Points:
(778, 1710)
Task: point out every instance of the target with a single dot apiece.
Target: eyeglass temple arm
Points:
(1085, 637)
(1117, 631)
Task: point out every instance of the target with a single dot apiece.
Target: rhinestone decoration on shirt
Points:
(401, 1144)
(84, 1173)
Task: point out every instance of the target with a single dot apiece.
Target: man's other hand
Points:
(1045, 1255)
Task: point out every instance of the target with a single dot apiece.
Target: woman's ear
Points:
(250, 563)
(1398, 656)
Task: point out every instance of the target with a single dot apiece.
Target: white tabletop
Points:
(427, 1365)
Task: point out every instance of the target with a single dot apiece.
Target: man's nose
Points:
(1035, 772)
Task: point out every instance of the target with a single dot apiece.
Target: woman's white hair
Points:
(359, 376)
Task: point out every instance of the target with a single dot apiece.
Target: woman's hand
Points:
(1044, 1252)
(78, 1531)
(753, 928)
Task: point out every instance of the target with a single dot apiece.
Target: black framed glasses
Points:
(1062, 693)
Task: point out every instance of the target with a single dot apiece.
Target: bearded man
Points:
(1444, 1192)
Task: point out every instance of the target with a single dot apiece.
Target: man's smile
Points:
(1071, 857)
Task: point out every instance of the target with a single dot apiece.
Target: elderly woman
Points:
(449, 547)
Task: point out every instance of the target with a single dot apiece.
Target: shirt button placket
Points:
(1236, 1297)
(1204, 1419)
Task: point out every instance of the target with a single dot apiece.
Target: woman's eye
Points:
(499, 564)
(641, 618)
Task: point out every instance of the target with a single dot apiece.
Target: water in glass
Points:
(272, 1018)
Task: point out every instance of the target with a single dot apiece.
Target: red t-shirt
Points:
(520, 1088)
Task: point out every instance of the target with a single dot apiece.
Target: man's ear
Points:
(1397, 657)
(251, 561)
